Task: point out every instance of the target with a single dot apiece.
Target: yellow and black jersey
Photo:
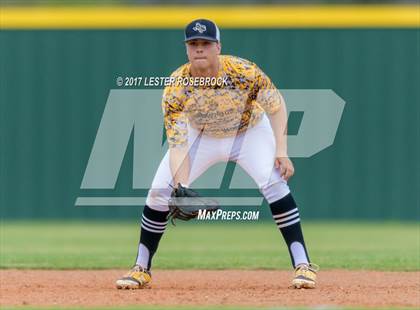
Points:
(219, 110)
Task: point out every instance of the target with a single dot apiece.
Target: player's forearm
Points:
(278, 122)
(180, 165)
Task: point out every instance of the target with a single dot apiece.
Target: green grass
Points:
(98, 245)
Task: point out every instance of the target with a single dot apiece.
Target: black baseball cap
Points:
(202, 29)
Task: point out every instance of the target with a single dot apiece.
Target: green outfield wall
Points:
(55, 83)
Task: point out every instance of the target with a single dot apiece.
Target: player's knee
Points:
(275, 191)
(157, 199)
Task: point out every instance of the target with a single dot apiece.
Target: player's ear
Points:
(187, 50)
(219, 47)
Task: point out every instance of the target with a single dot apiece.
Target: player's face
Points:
(202, 54)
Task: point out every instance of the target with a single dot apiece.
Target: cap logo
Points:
(199, 27)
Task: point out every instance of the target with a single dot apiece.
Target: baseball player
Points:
(236, 115)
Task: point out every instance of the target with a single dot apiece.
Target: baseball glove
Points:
(185, 204)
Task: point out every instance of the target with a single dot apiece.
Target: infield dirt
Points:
(209, 287)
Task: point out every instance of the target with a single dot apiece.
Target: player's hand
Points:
(286, 167)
